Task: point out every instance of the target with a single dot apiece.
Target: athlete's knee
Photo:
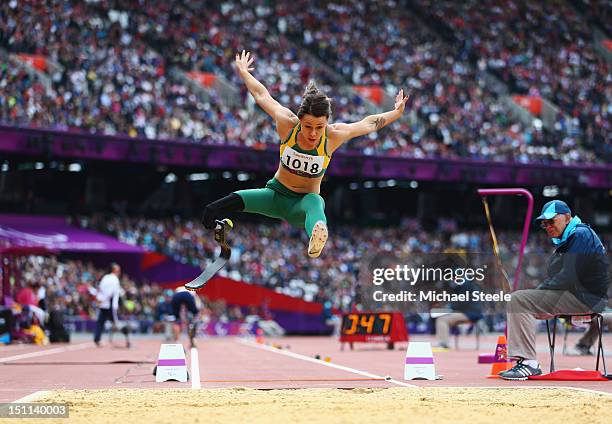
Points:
(214, 210)
(313, 196)
(314, 199)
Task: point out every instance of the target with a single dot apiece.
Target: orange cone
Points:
(501, 362)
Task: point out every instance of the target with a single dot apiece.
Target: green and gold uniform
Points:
(301, 210)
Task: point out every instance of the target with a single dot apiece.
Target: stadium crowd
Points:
(114, 83)
(543, 49)
(459, 111)
(111, 81)
(210, 45)
(117, 57)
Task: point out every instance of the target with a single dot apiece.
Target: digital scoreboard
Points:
(373, 327)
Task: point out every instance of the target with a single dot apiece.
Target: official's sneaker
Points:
(520, 371)
(317, 239)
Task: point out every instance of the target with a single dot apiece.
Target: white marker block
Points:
(171, 364)
(419, 364)
(195, 369)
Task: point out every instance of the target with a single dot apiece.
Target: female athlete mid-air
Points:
(307, 143)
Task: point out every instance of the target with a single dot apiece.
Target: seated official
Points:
(577, 283)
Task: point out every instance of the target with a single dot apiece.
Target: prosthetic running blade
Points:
(221, 230)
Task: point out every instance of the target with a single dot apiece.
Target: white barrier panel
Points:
(419, 364)
(171, 364)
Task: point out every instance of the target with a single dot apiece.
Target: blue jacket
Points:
(580, 265)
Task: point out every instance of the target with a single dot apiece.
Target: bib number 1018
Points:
(301, 165)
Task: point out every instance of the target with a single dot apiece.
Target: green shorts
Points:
(277, 201)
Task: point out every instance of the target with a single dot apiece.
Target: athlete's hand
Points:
(400, 101)
(244, 61)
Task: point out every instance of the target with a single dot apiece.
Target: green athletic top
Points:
(305, 163)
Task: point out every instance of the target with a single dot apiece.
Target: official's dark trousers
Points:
(103, 316)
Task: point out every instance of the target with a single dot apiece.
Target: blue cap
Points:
(552, 208)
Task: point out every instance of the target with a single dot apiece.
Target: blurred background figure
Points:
(186, 313)
(107, 295)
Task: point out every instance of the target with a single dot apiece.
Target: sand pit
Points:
(426, 405)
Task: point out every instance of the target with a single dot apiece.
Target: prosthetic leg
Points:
(221, 229)
(192, 331)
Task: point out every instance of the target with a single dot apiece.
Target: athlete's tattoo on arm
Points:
(379, 123)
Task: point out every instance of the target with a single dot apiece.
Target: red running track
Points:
(232, 362)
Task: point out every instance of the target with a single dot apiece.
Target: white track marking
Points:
(323, 363)
(47, 352)
(579, 389)
(195, 369)
(32, 396)
(401, 383)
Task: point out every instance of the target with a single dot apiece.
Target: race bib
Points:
(302, 164)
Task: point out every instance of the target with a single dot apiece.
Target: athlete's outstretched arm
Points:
(344, 132)
(279, 113)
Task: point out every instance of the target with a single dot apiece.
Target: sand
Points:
(241, 405)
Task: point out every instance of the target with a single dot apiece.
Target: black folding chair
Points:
(551, 339)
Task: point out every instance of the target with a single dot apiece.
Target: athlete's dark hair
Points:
(314, 102)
